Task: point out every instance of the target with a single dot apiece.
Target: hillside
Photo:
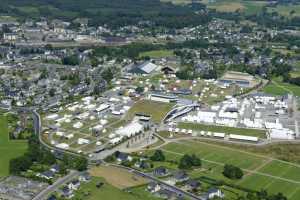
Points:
(116, 12)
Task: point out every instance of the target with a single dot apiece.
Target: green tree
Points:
(158, 156)
(232, 172)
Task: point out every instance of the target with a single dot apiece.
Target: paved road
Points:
(52, 188)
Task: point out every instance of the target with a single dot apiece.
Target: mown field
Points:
(8, 149)
(223, 129)
(261, 172)
(157, 53)
(157, 110)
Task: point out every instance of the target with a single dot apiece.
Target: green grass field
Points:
(8, 149)
(157, 110)
(263, 173)
(277, 87)
(157, 53)
(89, 191)
(223, 129)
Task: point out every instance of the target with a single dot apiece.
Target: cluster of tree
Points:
(70, 60)
(158, 156)
(35, 154)
(26, 51)
(263, 195)
(232, 172)
(73, 78)
(107, 74)
(189, 161)
(79, 163)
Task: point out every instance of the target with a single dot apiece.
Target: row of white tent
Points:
(214, 134)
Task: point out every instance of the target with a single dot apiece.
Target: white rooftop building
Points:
(130, 130)
(283, 134)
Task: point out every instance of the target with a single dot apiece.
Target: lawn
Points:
(117, 177)
(8, 149)
(157, 53)
(223, 129)
(89, 191)
(157, 110)
(273, 175)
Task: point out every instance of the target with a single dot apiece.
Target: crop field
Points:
(117, 177)
(8, 149)
(89, 191)
(157, 110)
(157, 53)
(223, 129)
(261, 172)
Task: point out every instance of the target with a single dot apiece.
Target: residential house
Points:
(55, 168)
(46, 175)
(180, 176)
(122, 157)
(160, 171)
(214, 192)
(192, 184)
(74, 185)
(67, 193)
(84, 177)
(153, 187)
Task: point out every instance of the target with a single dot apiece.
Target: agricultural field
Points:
(8, 149)
(249, 7)
(261, 172)
(223, 129)
(117, 177)
(157, 110)
(286, 10)
(89, 191)
(157, 54)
